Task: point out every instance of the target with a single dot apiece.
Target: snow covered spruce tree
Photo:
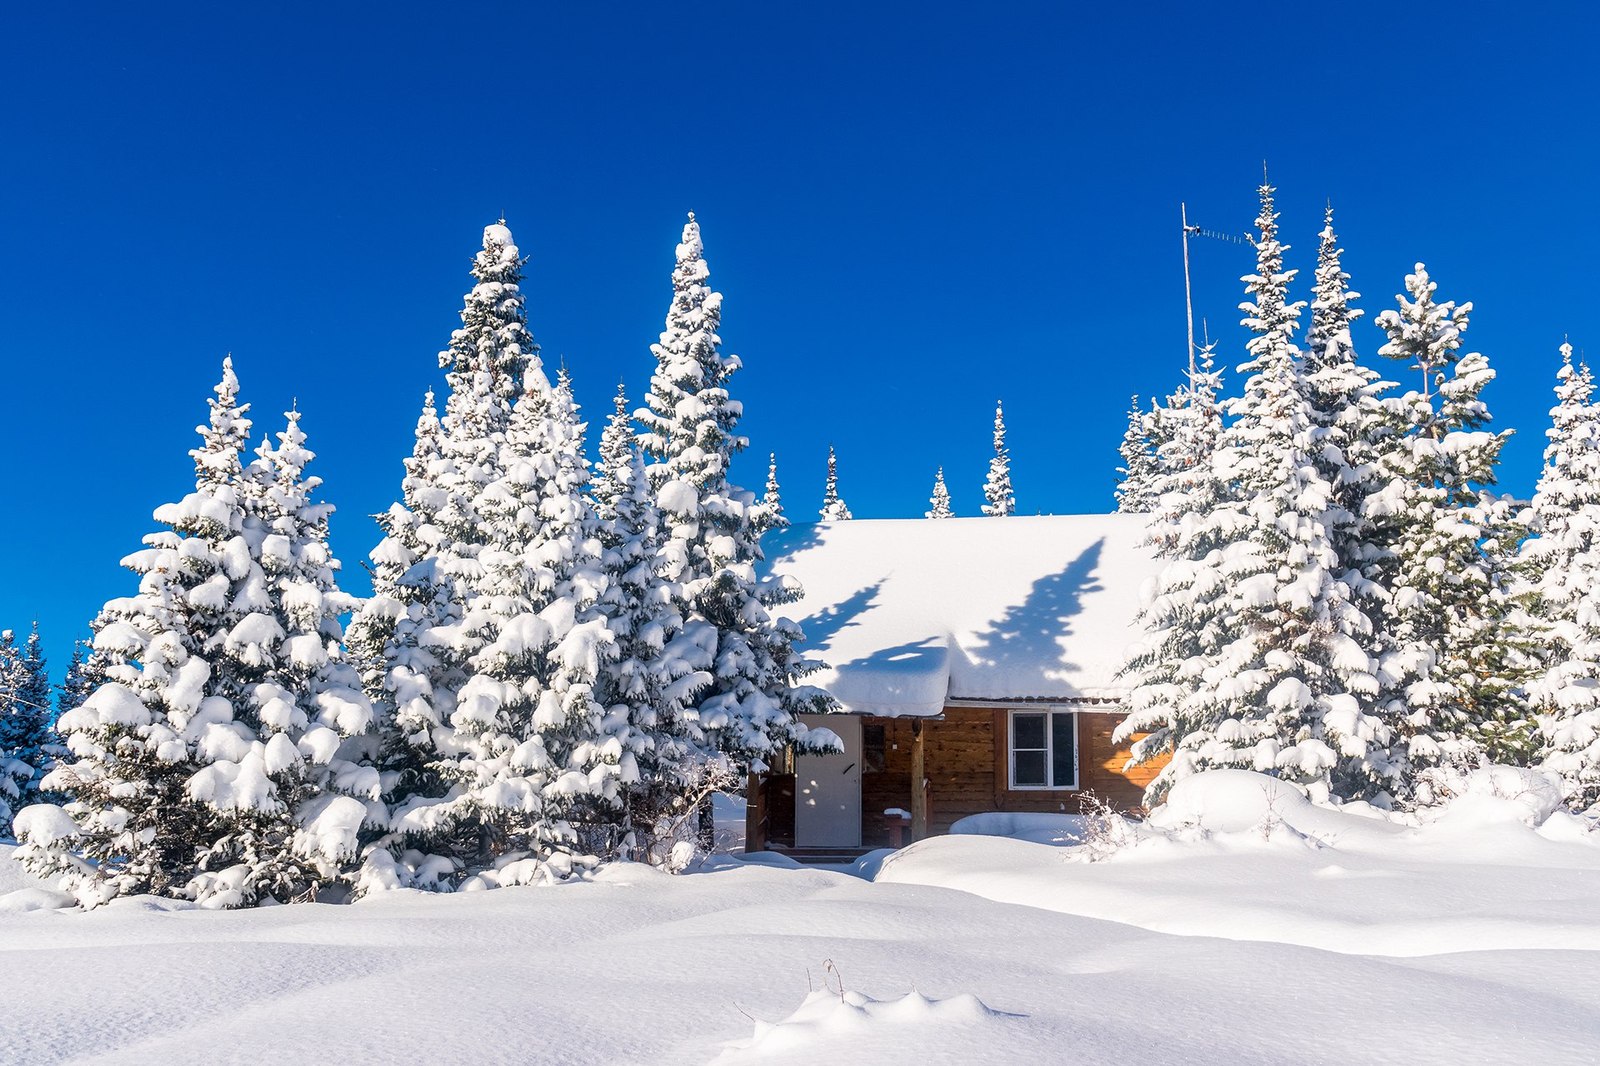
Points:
(769, 512)
(656, 671)
(533, 759)
(1137, 476)
(24, 731)
(616, 444)
(132, 825)
(417, 635)
(82, 678)
(834, 509)
(27, 742)
(1351, 433)
(1562, 566)
(289, 784)
(999, 501)
(168, 751)
(1458, 650)
(407, 682)
(940, 500)
(1191, 429)
(1256, 655)
(749, 711)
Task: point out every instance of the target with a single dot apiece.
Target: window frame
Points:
(1048, 714)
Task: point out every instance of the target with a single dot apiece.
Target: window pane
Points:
(1063, 764)
(1027, 731)
(1028, 768)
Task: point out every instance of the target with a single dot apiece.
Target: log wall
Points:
(966, 755)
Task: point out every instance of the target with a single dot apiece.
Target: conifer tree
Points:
(1562, 565)
(1458, 652)
(24, 726)
(82, 677)
(170, 694)
(616, 444)
(651, 681)
(418, 633)
(690, 434)
(1193, 429)
(999, 501)
(834, 509)
(27, 743)
(768, 514)
(288, 789)
(404, 678)
(940, 498)
(1255, 649)
(1139, 472)
(1351, 432)
(532, 754)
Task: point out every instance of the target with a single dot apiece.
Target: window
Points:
(1044, 749)
(874, 747)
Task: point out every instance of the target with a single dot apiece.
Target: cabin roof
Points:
(911, 613)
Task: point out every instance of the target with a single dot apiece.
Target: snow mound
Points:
(1020, 825)
(1498, 795)
(1232, 801)
(20, 891)
(850, 1027)
(35, 899)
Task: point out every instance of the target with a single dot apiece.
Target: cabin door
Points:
(827, 812)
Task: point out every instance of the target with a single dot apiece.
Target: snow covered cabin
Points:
(976, 655)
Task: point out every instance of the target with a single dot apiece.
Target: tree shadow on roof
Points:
(783, 545)
(1033, 634)
(822, 627)
(913, 661)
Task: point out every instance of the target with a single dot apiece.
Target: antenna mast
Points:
(1188, 297)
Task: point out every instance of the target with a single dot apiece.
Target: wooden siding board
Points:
(965, 759)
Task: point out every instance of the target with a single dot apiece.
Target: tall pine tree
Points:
(1256, 641)
(649, 686)
(749, 712)
(999, 501)
(834, 509)
(1140, 470)
(417, 636)
(527, 758)
(287, 787)
(940, 500)
(1457, 650)
(167, 707)
(1350, 433)
(1562, 563)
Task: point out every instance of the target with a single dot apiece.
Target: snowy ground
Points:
(1247, 927)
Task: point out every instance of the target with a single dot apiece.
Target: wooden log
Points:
(919, 784)
(755, 813)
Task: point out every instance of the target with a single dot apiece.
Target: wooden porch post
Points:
(755, 813)
(919, 789)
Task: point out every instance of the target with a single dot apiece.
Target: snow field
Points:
(1241, 927)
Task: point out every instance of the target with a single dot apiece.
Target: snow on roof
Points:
(909, 613)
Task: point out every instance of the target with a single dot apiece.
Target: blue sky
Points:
(911, 212)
